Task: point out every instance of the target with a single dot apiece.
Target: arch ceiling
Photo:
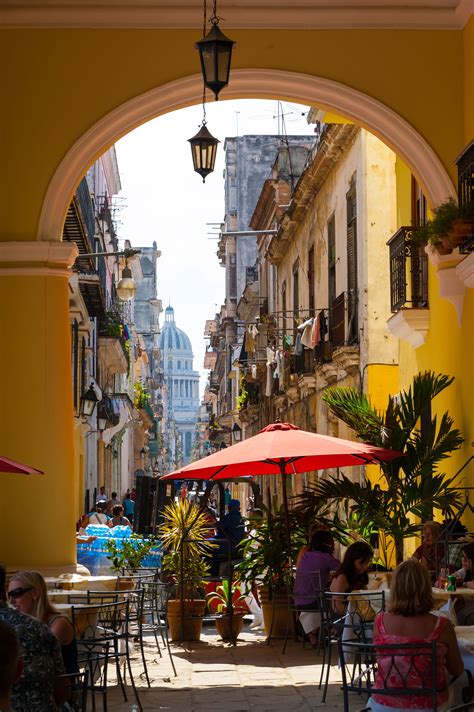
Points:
(242, 14)
(327, 94)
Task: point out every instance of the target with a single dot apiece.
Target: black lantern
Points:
(89, 401)
(101, 416)
(204, 150)
(215, 53)
(236, 433)
(142, 453)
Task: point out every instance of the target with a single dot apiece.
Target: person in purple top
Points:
(312, 577)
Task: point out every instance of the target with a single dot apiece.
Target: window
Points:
(331, 261)
(232, 277)
(352, 286)
(179, 365)
(283, 305)
(296, 289)
(311, 303)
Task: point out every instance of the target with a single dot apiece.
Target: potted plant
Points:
(184, 536)
(131, 552)
(409, 488)
(227, 596)
(449, 226)
(265, 561)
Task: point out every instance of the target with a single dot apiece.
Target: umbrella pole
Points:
(286, 511)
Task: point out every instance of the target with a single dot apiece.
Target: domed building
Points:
(182, 381)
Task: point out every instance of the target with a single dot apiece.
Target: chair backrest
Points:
(354, 611)
(78, 682)
(102, 621)
(156, 596)
(391, 671)
(94, 597)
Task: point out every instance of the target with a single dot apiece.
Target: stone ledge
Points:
(410, 325)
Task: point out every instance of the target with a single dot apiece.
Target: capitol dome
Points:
(172, 338)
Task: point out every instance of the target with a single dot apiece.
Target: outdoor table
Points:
(465, 638)
(84, 583)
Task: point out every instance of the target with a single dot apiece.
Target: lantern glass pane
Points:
(223, 63)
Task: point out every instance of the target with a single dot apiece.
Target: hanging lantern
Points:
(215, 53)
(204, 150)
(126, 287)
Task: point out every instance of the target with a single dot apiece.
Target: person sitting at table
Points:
(312, 574)
(431, 552)
(352, 573)
(118, 520)
(315, 526)
(465, 608)
(408, 620)
(35, 602)
(40, 686)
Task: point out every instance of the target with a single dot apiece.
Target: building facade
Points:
(182, 384)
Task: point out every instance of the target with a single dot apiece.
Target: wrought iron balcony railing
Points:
(408, 271)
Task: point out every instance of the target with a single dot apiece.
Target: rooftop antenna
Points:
(237, 122)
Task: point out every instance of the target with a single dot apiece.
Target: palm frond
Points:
(356, 410)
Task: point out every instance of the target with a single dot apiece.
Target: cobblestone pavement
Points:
(213, 675)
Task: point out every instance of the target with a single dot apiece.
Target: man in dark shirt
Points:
(38, 685)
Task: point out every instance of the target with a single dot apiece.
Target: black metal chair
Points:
(78, 686)
(346, 616)
(105, 636)
(312, 602)
(155, 615)
(392, 671)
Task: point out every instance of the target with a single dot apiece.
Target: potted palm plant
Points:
(227, 596)
(184, 536)
(409, 488)
(266, 562)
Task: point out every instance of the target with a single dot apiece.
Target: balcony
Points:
(93, 286)
(408, 271)
(79, 226)
(113, 351)
(408, 288)
(465, 164)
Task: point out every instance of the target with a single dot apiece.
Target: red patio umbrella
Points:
(282, 449)
(7, 465)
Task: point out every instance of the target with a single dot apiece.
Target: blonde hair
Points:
(410, 590)
(43, 608)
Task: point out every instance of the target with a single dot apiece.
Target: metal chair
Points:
(346, 616)
(106, 637)
(154, 620)
(78, 684)
(392, 671)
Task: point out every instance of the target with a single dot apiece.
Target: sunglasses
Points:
(18, 592)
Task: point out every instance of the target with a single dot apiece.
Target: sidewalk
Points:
(213, 675)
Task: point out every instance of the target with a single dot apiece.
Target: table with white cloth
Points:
(465, 638)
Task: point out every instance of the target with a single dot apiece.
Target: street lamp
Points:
(126, 287)
(142, 453)
(89, 401)
(215, 53)
(236, 433)
(203, 149)
(101, 416)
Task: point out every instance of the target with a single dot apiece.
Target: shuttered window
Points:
(352, 286)
(75, 365)
(331, 261)
(311, 279)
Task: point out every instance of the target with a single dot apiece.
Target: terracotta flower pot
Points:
(276, 614)
(224, 629)
(192, 619)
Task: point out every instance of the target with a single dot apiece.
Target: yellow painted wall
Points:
(58, 83)
(468, 49)
(37, 512)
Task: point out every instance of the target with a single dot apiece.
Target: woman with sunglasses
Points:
(27, 593)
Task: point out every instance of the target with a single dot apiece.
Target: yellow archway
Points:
(382, 121)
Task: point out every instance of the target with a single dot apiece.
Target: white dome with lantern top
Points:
(174, 339)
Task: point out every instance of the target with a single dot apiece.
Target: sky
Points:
(163, 199)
